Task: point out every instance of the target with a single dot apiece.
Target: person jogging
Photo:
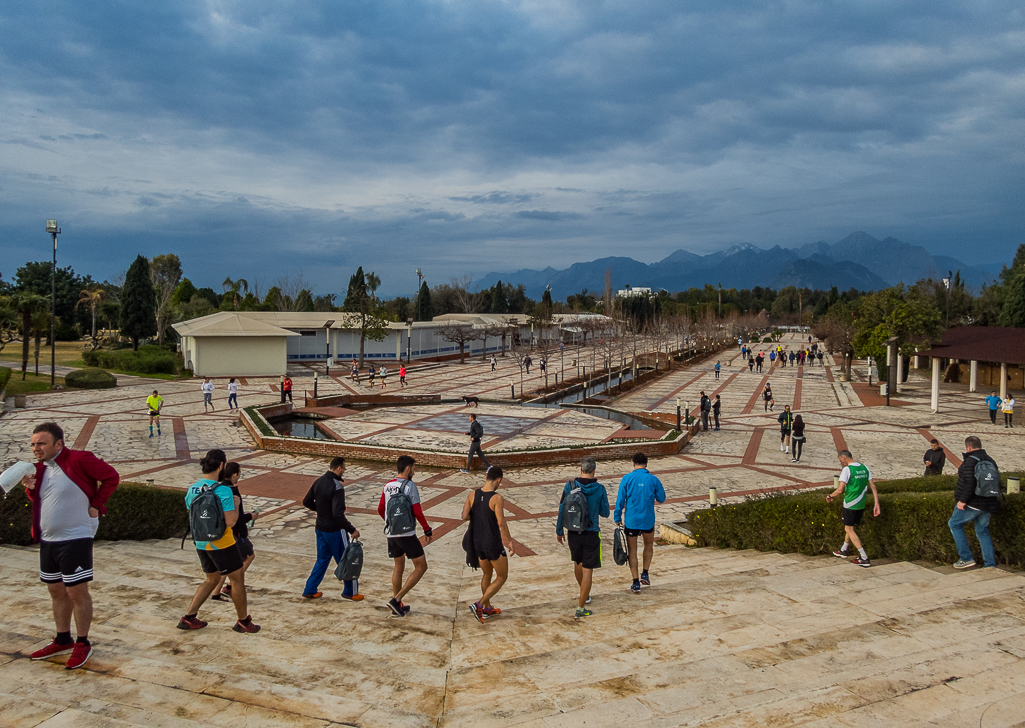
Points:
(475, 433)
(286, 387)
(231, 475)
(976, 504)
(402, 375)
(855, 480)
(68, 493)
(993, 403)
(797, 438)
(384, 376)
(1007, 407)
(485, 509)
(639, 491)
(232, 394)
(154, 402)
(354, 372)
(716, 406)
(401, 531)
(585, 544)
(220, 556)
(786, 426)
(334, 531)
(371, 373)
(208, 394)
(718, 367)
(767, 399)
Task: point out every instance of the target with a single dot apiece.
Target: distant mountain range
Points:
(858, 261)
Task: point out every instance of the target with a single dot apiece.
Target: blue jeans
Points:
(233, 401)
(957, 523)
(330, 545)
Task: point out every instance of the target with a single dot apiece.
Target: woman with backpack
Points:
(485, 510)
(230, 477)
(797, 438)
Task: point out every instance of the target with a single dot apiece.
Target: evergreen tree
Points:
(499, 302)
(1013, 311)
(138, 303)
(359, 302)
(422, 304)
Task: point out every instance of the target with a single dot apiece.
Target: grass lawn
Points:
(32, 383)
(68, 352)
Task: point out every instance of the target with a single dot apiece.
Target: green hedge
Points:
(148, 359)
(913, 526)
(134, 512)
(5, 376)
(90, 378)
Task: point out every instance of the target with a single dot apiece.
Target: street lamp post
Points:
(409, 339)
(51, 227)
(419, 284)
(946, 283)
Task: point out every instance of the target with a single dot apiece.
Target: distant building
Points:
(631, 291)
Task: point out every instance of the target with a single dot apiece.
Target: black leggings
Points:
(1007, 419)
(796, 445)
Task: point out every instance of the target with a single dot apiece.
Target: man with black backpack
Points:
(212, 513)
(400, 509)
(333, 529)
(584, 500)
(978, 497)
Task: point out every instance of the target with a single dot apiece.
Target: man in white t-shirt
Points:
(404, 544)
(208, 394)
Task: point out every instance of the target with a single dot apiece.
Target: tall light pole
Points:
(409, 339)
(51, 227)
(946, 284)
(419, 283)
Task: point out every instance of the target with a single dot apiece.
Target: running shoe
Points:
(491, 611)
(477, 612)
(52, 649)
(581, 613)
(463, 470)
(959, 564)
(188, 622)
(645, 581)
(221, 598)
(353, 597)
(226, 590)
(587, 601)
(858, 561)
(315, 595)
(635, 588)
(247, 626)
(840, 554)
(79, 656)
(405, 608)
(396, 607)
(793, 460)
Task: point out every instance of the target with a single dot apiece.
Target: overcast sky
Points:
(260, 137)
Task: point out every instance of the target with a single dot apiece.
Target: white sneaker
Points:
(781, 448)
(788, 451)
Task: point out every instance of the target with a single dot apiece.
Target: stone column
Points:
(398, 346)
(900, 370)
(973, 376)
(914, 361)
(935, 401)
(1003, 380)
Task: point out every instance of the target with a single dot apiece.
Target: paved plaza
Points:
(720, 639)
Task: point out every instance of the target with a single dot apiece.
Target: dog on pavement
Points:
(475, 401)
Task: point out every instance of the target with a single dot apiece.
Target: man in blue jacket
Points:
(993, 402)
(639, 491)
(585, 546)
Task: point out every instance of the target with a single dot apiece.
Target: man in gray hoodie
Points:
(584, 545)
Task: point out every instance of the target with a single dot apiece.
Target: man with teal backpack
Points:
(977, 495)
(584, 501)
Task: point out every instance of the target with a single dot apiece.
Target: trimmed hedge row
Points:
(91, 378)
(912, 526)
(134, 512)
(147, 360)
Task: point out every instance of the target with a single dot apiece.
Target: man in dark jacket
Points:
(475, 433)
(934, 458)
(706, 407)
(327, 498)
(972, 508)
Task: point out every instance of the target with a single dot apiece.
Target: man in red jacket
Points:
(68, 492)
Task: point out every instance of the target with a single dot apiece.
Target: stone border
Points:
(379, 453)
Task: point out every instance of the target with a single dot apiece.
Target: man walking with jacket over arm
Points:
(327, 498)
(976, 502)
(639, 491)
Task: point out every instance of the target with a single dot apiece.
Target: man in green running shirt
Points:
(855, 480)
(154, 402)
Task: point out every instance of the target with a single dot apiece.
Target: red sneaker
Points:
(52, 649)
(79, 656)
(188, 622)
(246, 626)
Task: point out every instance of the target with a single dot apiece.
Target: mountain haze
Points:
(858, 261)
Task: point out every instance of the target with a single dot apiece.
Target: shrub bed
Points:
(91, 378)
(5, 376)
(913, 526)
(134, 512)
(148, 359)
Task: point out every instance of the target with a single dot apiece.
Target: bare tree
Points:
(490, 331)
(467, 300)
(294, 292)
(459, 333)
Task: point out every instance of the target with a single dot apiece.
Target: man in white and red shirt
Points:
(404, 544)
(68, 492)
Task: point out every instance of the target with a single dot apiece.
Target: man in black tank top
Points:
(485, 509)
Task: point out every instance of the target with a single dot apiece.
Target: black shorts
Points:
(784, 432)
(245, 547)
(224, 561)
(154, 413)
(70, 562)
(585, 549)
(635, 532)
(852, 518)
(408, 546)
(493, 553)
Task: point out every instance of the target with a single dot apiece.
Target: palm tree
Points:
(234, 287)
(91, 298)
(40, 327)
(27, 303)
(373, 283)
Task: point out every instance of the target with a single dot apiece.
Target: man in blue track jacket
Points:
(639, 491)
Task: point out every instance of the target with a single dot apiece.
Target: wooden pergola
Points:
(995, 344)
